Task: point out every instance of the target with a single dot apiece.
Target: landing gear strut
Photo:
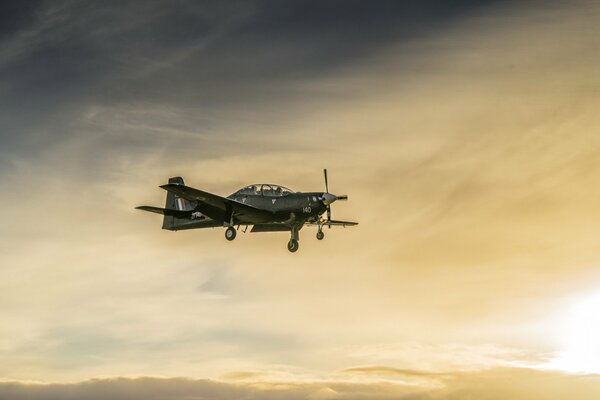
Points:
(293, 243)
(230, 233)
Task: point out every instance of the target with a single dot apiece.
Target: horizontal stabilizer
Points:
(164, 211)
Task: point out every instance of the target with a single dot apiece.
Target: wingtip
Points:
(168, 186)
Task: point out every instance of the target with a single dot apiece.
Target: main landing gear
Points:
(293, 243)
(230, 233)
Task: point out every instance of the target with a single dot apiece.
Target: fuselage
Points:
(290, 208)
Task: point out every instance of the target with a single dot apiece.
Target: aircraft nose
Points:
(328, 198)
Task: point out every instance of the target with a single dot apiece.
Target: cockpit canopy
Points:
(264, 189)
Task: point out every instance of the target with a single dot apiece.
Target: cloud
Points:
(465, 137)
(495, 384)
(96, 73)
(383, 370)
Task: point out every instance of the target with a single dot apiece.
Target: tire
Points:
(293, 245)
(320, 235)
(230, 233)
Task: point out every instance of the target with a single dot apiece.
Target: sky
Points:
(465, 133)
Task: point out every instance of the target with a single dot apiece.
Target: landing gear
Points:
(230, 233)
(320, 235)
(293, 245)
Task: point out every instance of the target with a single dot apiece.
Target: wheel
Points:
(293, 245)
(230, 233)
(320, 235)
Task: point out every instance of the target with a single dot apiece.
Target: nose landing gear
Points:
(320, 235)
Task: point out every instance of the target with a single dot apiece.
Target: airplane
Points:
(265, 207)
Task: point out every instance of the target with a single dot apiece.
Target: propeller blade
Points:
(342, 197)
(329, 216)
(326, 184)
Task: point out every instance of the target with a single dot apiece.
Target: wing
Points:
(271, 228)
(220, 208)
(166, 211)
(335, 223)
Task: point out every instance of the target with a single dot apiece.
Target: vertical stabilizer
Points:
(175, 202)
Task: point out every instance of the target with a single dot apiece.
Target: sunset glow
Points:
(580, 336)
(466, 134)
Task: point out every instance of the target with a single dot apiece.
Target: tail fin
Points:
(175, 202)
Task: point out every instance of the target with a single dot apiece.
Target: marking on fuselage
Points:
(273, 201)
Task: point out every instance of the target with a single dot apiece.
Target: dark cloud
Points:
(203, 60)
(16, 15)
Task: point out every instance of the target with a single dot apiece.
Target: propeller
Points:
(329, 198)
